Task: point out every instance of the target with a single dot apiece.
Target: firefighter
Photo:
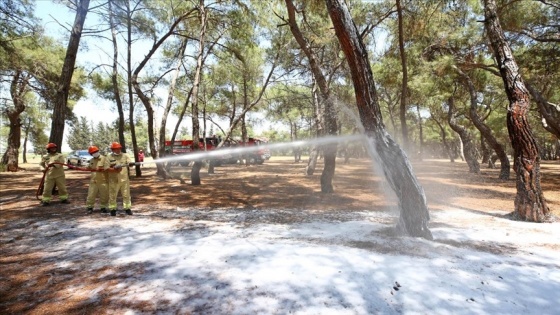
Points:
(98, 181)
(117, 165)
(54, 175)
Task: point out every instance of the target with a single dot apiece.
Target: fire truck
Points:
(230, 156)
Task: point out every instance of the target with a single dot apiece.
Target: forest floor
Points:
(278, 186)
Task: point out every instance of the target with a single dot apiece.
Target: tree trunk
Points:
(11, 156)
(469, 150)
(18, 89)
(24, 146)
(530, 204)
(549, 113)
(486, 152)
(312, 162)
(197, 165)
(414, 215)
(145, 99)
(329, 150)
(115, 72)
(61, 98)
(446, 145)
(132, 82)
(319, 131)
(162, 171)
(485, 130)
(404, 86)
(420, 134)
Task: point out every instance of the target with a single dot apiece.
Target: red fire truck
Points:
(230, 156)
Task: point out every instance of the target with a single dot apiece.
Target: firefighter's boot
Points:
(89, 210)
(113, 213)
(128, 211)
(103, 210)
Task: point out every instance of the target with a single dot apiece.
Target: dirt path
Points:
(32, 281)
(280, 184)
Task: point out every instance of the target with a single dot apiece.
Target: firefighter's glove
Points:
(117, 167)
(131, 164)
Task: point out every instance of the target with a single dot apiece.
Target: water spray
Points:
(251, 149)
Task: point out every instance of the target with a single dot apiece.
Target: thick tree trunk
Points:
(485, 130)
(530, 203)
(195, 173)
(468, 147)
(59, 112)
(414, 214)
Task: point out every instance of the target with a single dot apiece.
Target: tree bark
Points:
(414, 215)
(61, 97)
(530, 204)
(469, 150)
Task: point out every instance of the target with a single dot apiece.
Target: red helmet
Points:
(51, 145)
(93, 149)
(116, 145)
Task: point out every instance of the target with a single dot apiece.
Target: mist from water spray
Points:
(376, 167)
(218, 153)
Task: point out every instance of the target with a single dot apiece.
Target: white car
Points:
(78, 158)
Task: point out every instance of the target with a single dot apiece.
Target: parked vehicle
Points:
(78, 158)
(256, 156)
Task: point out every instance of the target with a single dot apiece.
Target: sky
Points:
(239, 261)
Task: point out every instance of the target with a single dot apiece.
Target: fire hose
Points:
(72, 167)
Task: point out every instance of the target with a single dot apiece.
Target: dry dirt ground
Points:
(277, 184)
